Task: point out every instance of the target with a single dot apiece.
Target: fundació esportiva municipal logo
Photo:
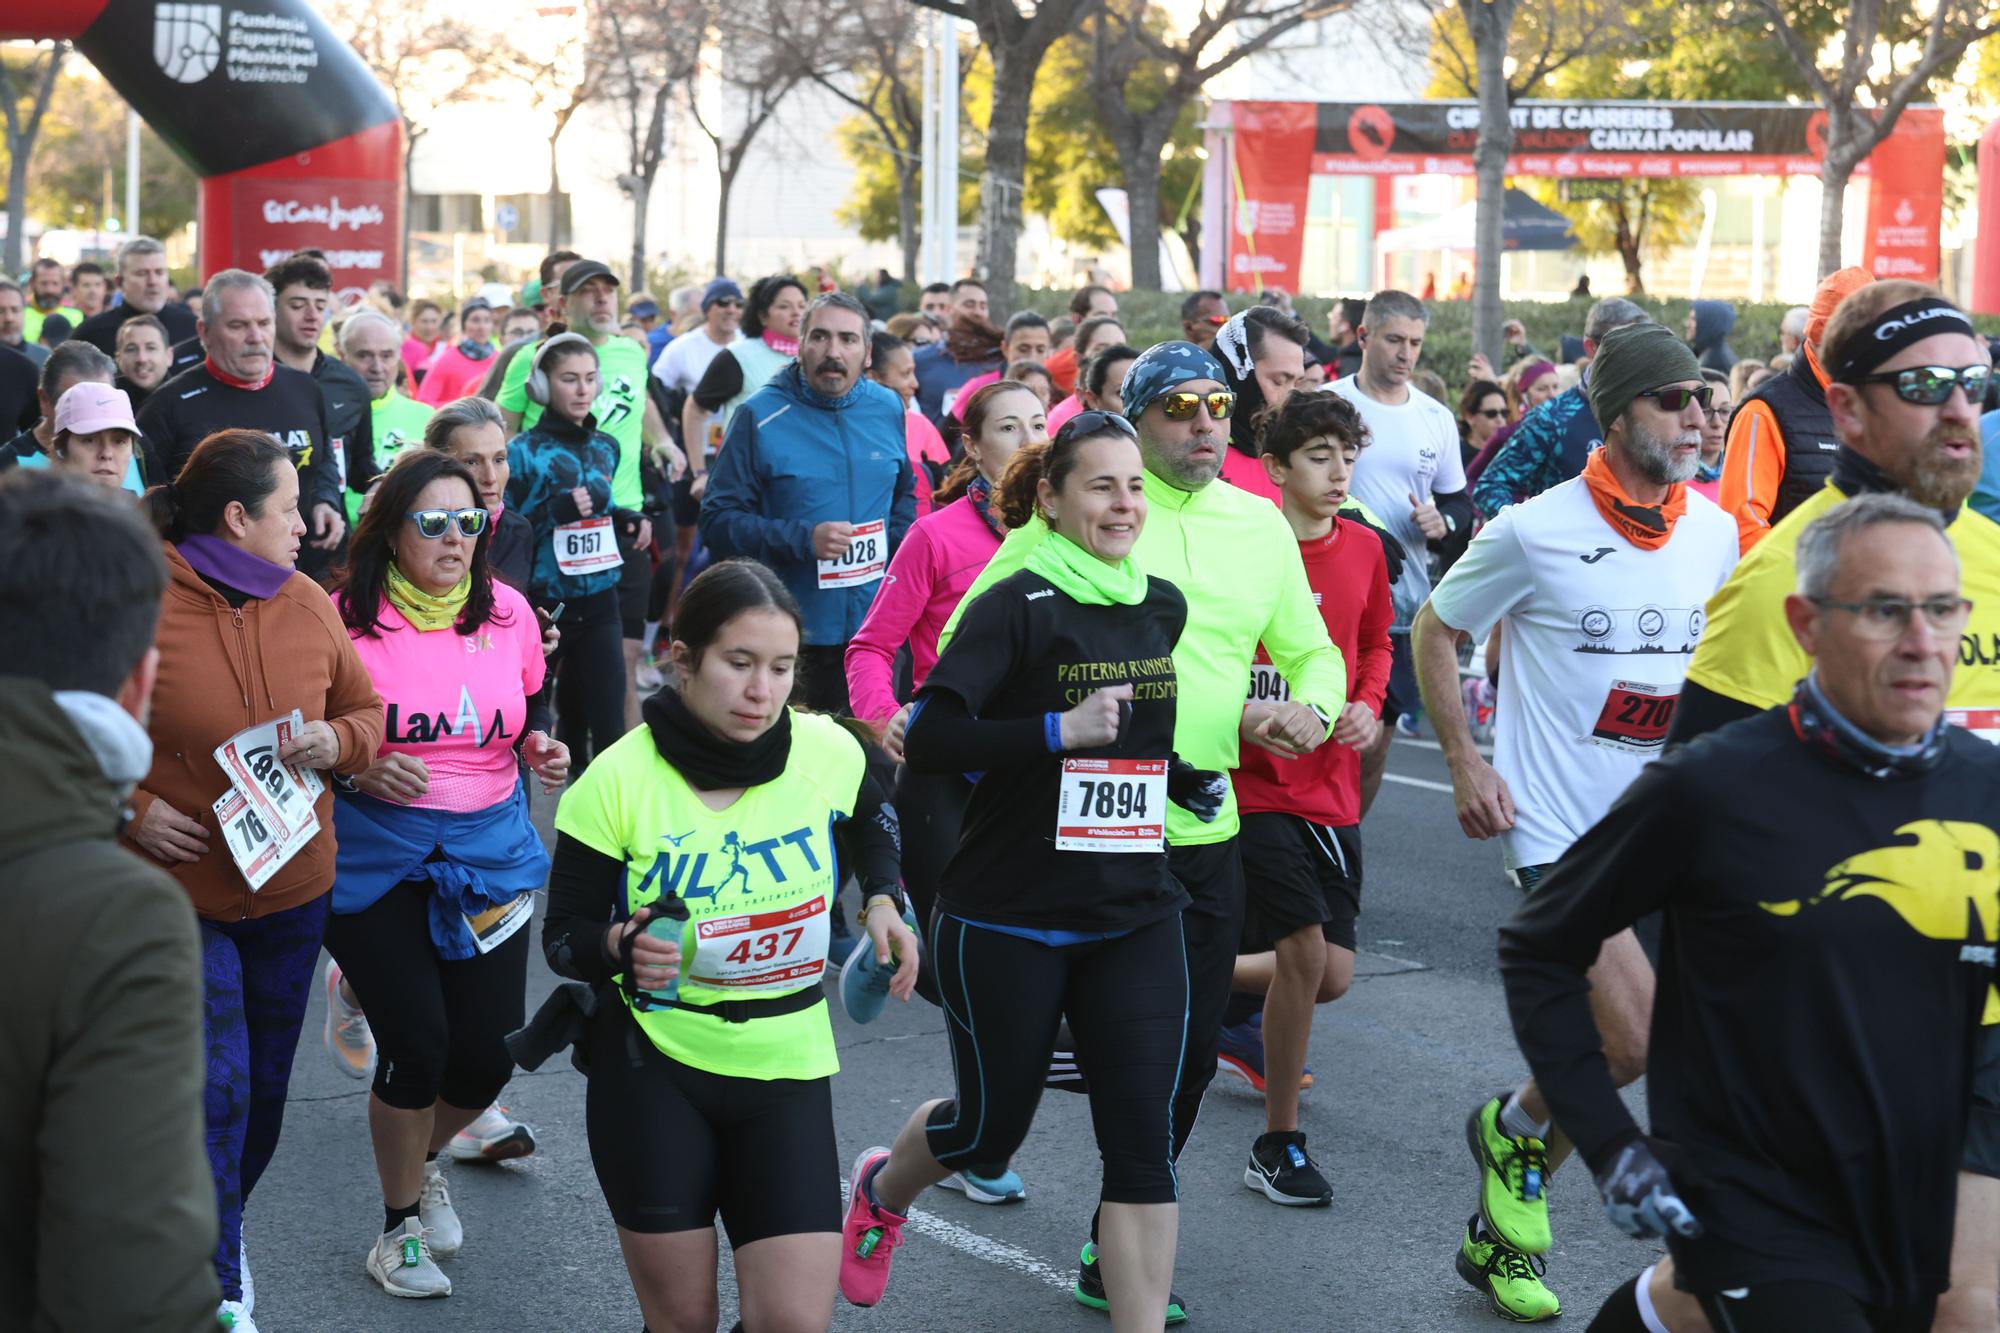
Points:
(187, 40)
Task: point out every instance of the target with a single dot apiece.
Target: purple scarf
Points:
(214, 558)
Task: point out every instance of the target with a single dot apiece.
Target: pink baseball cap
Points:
(85, 409)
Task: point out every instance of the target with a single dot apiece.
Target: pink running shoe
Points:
(869, 1235)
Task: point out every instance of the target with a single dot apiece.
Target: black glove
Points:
(1392, 549)
(1200, 791)
(1640, 1197)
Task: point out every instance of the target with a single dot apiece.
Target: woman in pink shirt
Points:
(456, 370)
(437, 856)
(1096, 385)
(425, 321)
(893, 366)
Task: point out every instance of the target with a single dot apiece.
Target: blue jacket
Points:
(1550, 446)
(545, 463)
(938, 374)
(792, 459)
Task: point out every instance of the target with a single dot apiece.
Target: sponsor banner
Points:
(1906, 199)
(354, 222)
(1268, 193)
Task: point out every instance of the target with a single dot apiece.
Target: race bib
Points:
(266, 816)
(1112, 805)
(494, 926)
(864, 560)
(778, 950)
(586, 547)
(1981, 722)
(1636, 716)
(1267, 686)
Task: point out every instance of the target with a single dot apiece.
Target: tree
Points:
(560, 69)
(1886, 53)
(1016, 43)
(651, 56)
(753, 69)
(76, 176)
(36, 78)
(1145, 77)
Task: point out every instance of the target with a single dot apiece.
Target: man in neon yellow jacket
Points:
(1236, 562)
(372, 346)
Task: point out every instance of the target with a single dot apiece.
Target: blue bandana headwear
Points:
(1161, 367)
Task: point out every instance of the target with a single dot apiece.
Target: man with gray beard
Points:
(1599, 584)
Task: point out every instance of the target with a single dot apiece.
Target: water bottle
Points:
(669, 915)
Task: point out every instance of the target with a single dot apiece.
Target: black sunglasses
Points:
(727, 303)
(1093, 422)
(1676, 400)
(1491, 413)
(431, 523)
(1931, 386)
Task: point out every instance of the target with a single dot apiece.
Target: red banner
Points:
(1906, 199)
(344, 199)
(1268, 193)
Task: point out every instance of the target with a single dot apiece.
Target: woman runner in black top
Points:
(1060, 690)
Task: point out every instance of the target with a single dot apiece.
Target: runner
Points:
(97, 439)
(814, 480)
(970, 347)
(1201, 537)
(143, 357)
(1097, 381)
(1411, 480)
(769, 343)
(143, 289)
(304, 288)
(1301, 818)
(1025, 345)
(247, 641)
(437, 855)
(71, 364)
(1598, 585)
(456, 368)
(421, 344)
(1803, 1170)
(710, 1070)
(1262, 352)
(1050, 908)
(560, 479)
(471, 431)
(368, 347)
(1906, 374)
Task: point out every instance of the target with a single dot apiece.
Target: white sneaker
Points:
(401, 1261)
(440, 1219)
(243, 1274)
(349, 1043)
(648, 677)
(494, 1137)
(235, 1316)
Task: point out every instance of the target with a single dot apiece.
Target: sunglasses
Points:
(1094, 422)
(1676, 400)
(728, 303)
(1930, 386)
(431, 523)
(1181, 406)
(1492, 413)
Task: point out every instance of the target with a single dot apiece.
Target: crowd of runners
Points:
(1021, 670)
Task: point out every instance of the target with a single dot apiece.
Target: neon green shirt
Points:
(1235, 560)
(31, 320)
(620, 407)
(399, 423)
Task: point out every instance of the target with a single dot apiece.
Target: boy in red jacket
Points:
(1301, 840)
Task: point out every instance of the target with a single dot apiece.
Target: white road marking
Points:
(996, 1252)
(1425, 783)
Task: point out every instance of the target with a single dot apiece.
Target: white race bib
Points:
(494, 926)
(1267, 686)
(1112, 805)
(586, 546)
(783, 949)
(266, 816)
(864, 560)
(1981, 722)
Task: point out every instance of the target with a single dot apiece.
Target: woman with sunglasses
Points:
(437, 853)
(1482, 411)
(245, 640)
(1060, 689)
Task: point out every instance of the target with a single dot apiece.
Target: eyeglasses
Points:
(1093, 422)
(1930, 386)
(1885, 618)
(1676, 400)
(1181, 406)
(431, 523)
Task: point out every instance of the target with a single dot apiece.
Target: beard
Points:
(1654, 456)
(1936, 481)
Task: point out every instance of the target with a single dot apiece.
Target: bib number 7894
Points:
(1112, 805)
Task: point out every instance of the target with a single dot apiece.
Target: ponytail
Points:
(1015, 497)
(239, 465)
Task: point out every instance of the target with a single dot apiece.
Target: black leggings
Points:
(931, 808)
(1126, 1000)
(589, 664)
(1785, 1307)
(439, 1025)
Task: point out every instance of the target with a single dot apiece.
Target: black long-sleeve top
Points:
(1827, 948)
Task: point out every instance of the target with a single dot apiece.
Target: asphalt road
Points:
(1419, 1040)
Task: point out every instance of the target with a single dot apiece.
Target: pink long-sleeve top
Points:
(938, 560)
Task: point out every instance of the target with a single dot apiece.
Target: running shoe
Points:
(440, 1219)
(1089, 1289)
(1410, 724)
(864, 983)
(1513, 1180)
(243, 1275)
(1280, 1168)
(402, 1262)
(648, 677)
(1241, 1052)
(494, 1137)
(235, 1316)
(1511, 1280)
(869, 1235)
(348, 1041)
(1003, 1188)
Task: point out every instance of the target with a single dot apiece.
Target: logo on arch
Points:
(187, 40)
(1371, 132)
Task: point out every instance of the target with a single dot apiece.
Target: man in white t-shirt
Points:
(1598, 586)
(684, 360)
(1411, 478)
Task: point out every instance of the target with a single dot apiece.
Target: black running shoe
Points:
(1089, 1288)
(1280, 1168)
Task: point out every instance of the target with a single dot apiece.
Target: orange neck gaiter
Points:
(1646, 526)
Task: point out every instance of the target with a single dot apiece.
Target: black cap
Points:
(583, 271)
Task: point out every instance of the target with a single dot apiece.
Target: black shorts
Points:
(1982, 1130)
(1401, 698)
(635, 581)
(674, 1145)
(1297, 874)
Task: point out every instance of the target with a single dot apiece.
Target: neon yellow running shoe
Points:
(1513, 1180)
(1510, 1280)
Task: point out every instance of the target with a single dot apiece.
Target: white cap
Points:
(498, 295)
